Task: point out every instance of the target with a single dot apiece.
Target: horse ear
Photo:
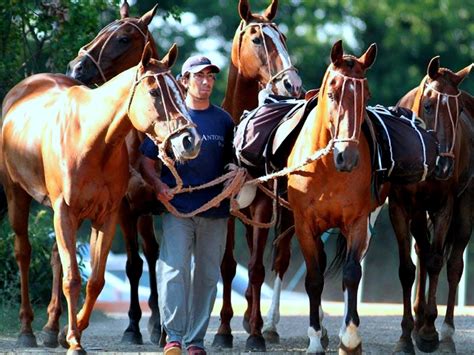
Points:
(271, 10)
(368, 58)
(244, 10)
(463, 73)
(146, 18)
(124, 10)
(337, 52)
(147, 54)
(433, 67)
(170, 58)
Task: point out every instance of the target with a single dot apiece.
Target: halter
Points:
(165, 77)
(106, 28)
(355, 135)
(454, 125)
(263, 26)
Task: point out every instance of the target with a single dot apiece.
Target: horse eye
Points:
(427, 107)
(257, 40)
(124, 39)
(154, 92)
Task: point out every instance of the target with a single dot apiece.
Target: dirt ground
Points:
(379, 334)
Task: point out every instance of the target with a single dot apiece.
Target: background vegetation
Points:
(43, 35)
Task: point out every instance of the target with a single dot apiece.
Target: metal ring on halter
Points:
(84, 51)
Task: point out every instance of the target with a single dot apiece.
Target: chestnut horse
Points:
(64, 145)
(334, 191)
(117, 47)
(259, 59)
(447, 198)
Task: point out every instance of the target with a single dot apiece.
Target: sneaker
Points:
(196, 350)
(172, 348)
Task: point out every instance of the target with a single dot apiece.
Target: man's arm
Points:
(149, 173)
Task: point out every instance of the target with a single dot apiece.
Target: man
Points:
(191, 249)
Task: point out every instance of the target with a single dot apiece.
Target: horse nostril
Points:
(340, 158)
(188, 143)
(78, 68)
(288, 85)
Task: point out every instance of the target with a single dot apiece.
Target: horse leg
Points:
(134, 268)
(282, 254)
(357, 244)
(406, 273)
(315, 259)
(65, 226)
(223, 337)
(249, 230)
(460, 233)
(18, 210)
(151, 250)
(427, 338)
(49, 334)
(262, 211)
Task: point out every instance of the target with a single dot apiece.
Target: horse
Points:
(259, 59)
(447, 198)
(116, 48)
(319, 192)
(64, 145)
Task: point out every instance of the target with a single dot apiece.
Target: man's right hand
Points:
(163, 191)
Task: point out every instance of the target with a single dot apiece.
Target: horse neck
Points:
(108, 104)
(241, 93)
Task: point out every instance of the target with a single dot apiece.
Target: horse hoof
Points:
(255, 343)
(79, 351)
(132, 338)
(62, 338)
(223, 341)
(26, 340)
(324, 338)
(404, 346)
(343, 350)
(271, 336)
(447, 346)
(427, 342)
(49, 338)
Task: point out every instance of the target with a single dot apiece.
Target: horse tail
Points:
(3, 203)
(336, 264)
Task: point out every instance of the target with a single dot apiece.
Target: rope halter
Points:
(271, 30)
(354, 136)
(87, 51)
(164, 81)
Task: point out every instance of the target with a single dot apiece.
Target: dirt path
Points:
(379, 334)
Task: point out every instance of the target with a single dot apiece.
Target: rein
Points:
(266, 28)
(97, 62)
(417, 108)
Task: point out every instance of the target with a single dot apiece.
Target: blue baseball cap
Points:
(196, 63)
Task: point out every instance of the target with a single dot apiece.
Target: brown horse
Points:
(447, 198)
(64, 145)
(116, 48)
(319, 193)
(259, 59)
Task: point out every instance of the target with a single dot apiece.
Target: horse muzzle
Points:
(186, 144)
(84, 70)
(444, 167)
(290, 84)
(346, 159)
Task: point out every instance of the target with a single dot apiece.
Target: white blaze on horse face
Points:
(178, 99)
(282, 52)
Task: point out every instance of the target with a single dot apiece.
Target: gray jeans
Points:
(191, 252)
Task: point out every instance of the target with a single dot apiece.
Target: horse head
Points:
(156, 106)
(437, 104)
(117, 47)
(342, 102)
(259, 51)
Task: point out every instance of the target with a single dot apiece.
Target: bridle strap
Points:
(356, 133)
(243, 27)
(86, 52)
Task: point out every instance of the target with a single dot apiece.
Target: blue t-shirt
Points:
(216, 129)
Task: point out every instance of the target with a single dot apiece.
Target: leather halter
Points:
(243, 27)
(454, 125)
(85, 51)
